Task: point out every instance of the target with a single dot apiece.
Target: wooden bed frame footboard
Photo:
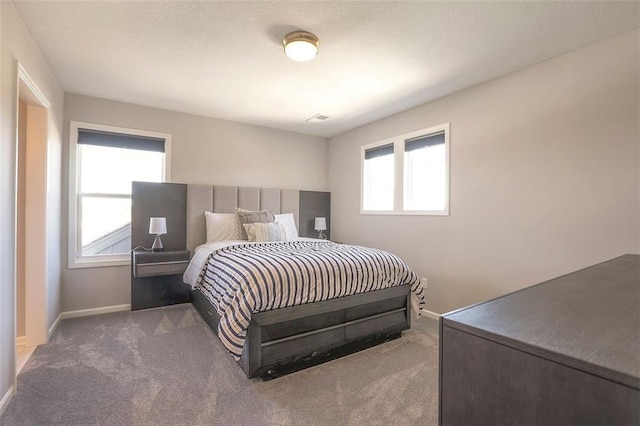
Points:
(289, 339)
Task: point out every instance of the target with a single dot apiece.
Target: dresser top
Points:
(589, 319)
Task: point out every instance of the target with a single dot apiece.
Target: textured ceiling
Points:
(225, 59)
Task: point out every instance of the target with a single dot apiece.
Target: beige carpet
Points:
(165, 366)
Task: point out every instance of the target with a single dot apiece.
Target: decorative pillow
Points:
(250, 216)
(288, 221)
(259, 232)
(222, 226)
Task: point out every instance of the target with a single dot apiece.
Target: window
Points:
(408, 174)
(378, 178)
(104, 160)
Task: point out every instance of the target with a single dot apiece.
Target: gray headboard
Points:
(166, 199)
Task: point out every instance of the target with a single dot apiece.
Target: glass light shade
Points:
(301, 51)
(301, 46)
(158, 225)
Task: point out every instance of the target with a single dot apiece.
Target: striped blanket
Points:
(239, 280)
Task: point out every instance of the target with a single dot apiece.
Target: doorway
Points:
(31, 218)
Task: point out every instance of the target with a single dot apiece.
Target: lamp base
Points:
(157, 244)
(321, 235)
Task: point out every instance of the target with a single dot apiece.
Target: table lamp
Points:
(157, 226)
(321, 225)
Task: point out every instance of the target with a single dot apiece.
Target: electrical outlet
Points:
(423, 281)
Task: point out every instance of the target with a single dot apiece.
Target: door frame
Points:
(36, 208)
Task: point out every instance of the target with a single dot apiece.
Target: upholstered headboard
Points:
(178, 202)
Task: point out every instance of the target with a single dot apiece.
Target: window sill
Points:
(405, 213)
(98, 263)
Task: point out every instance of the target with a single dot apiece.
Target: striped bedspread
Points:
(242, 279)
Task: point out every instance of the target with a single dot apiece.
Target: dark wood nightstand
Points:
(156, 278)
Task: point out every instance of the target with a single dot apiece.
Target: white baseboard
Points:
(94, 311)
(54, 325)
(21, 340)
(430, 314)
(5, 400)
(86, 313)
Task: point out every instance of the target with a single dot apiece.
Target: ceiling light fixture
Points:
(301, 46)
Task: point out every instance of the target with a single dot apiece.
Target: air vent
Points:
(317, 118)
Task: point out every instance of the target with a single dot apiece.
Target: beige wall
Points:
(544, 177)
(203, 150)
(22, 151)
(37, 228)
(17, 45)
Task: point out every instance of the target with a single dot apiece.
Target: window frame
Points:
(75, 260)
(398, 186)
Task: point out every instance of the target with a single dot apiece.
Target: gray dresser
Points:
(566, 351)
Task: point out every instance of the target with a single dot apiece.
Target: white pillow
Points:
(260, 232)
(288, 221)
(222, 226)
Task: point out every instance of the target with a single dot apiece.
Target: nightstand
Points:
(156, 278)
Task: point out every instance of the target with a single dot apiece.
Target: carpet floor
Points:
(165, 366)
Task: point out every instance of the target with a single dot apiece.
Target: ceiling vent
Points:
(317, 118)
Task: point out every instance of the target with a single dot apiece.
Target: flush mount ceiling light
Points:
(301, 46)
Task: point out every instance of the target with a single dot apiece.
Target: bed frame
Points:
(285, 340)
(288, 339)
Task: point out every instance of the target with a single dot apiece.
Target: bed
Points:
(275, 335)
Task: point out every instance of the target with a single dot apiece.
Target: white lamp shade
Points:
(158, 225)
(321, 224)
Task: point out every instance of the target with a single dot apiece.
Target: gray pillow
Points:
(250, 216)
